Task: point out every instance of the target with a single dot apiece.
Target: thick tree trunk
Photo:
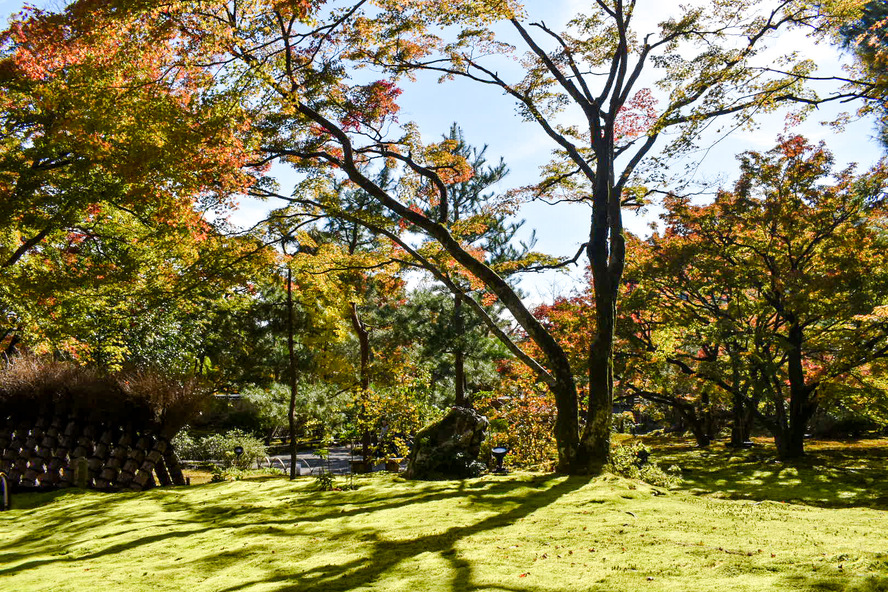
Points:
(740, 421)
(595, 444)
(571, 454)
(792, 419)
(606, 251)
(791, 443)
(789, 437)
(700, 424)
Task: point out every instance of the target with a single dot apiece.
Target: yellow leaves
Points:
(530, 259)
(475, 225)
(450, 167)
(666, 340)
(877, 314)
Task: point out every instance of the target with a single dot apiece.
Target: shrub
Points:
(324, 481)
(220, 448)
(525, 424)
(634, 462)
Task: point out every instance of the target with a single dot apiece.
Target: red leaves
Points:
(371, 105)
(793, 146)
(637, 116)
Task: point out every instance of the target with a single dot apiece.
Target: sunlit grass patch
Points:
(521, 532)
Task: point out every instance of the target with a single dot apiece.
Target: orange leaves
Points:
(450, 166)
(301, 9)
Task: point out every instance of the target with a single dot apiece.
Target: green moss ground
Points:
(522, 532)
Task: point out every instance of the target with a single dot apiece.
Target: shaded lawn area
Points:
(831, 475)
(522, 532)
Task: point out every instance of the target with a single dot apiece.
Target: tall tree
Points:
(489, 230)
(292, 65)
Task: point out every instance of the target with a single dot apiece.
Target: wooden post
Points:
(81, 472)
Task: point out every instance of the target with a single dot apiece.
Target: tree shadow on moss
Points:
(842, 477)
(838, 583)
(387, 555)
(86, 526)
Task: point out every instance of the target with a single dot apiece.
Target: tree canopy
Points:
(214, 92)
(775, 293)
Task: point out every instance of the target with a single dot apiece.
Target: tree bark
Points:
(459, 356)
(739, 432)
(363, 333)
(557, 376)
(291, 357)
(606, 252)
(791, 443)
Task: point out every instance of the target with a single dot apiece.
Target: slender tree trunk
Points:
(739, 425)
(708, 421)
(801, 408)
(459, 356)
(743, 414)
(363, 334)
(698, 427)
(291, 356)
(11, 349)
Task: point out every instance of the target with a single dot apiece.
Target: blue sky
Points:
(488, 117)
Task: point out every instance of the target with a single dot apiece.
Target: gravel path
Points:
(337, 462)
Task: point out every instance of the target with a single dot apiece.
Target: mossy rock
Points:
(449, 448)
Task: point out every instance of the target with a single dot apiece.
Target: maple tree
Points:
(775, 292)
(293, 72)
(109, 174)
(116, 290)
(661, 339)
(89, 126)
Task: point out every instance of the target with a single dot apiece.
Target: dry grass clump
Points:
(172, 401)
(31, 385)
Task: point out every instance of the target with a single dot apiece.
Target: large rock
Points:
(449, 448)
